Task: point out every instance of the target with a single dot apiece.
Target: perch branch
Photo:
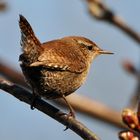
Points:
(25, 96)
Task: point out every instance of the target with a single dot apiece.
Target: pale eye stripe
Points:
(84, 43)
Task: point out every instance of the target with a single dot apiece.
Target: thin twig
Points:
(134, 71)
(118, 22)
(101, 12)
(3, 6)
(25, 96)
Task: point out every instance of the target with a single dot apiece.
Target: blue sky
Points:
(108, 82)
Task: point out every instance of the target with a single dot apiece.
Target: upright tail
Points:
(28, 39)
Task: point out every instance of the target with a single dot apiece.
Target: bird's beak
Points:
(104, 52)
(98, 50)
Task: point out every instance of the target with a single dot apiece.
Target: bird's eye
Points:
(90, 47)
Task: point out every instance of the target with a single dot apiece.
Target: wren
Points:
(56, 68)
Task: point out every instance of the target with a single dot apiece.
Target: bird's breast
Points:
(61, 82)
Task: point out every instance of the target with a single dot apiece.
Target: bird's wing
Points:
(62, 59)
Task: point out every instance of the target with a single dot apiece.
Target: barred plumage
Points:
(56, 68)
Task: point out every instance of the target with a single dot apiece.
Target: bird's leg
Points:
(71, 113)
(33, 100)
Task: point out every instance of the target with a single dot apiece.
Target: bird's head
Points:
(89, 49)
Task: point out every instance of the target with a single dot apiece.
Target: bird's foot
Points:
(71, 114)
(33, 100)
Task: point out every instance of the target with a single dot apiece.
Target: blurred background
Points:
(107, 81)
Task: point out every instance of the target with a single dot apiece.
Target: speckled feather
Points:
(30, 44)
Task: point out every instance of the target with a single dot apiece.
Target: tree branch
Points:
(134, 71)
(101, 12)
(11, 74)
(3, 6)
(25, 96)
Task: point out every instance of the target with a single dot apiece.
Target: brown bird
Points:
(56, 68)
